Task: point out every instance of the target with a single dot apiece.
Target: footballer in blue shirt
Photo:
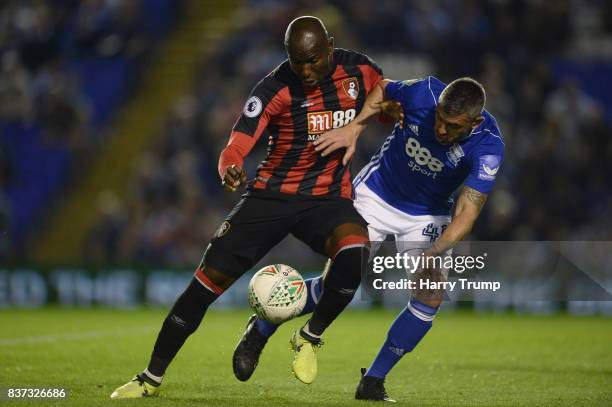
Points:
(443, 140)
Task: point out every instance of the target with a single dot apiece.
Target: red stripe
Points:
(346, 187)
(283, 143)
(206, 282)
(296, 174)
(326, 178)
(259, 183)
(239, 145)
(272, 110)
(308, 156)
(371, 77)
(349, 241)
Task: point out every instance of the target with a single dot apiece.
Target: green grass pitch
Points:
(467, 359)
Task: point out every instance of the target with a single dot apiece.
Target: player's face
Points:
(451, 129)
(311, 63)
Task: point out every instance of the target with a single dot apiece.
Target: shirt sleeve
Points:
(408, 92)
(484, 164)
(392, 90)
(266, 100)
(372, 74)
(397, 90)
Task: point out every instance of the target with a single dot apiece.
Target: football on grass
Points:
(277, 293)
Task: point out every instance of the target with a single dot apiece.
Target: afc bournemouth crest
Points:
(225, 226)
(351, 87)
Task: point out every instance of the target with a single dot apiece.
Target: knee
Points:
(346, 270)
(217, 281)
(189, 309)
(431, 296)
(348, 234)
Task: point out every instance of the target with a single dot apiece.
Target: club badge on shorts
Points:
(223, 229)
(351, 87)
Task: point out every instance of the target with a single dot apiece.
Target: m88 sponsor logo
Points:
(320, 122)
(421, 159)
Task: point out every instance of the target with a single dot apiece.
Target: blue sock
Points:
(314, 286)
(405, 333)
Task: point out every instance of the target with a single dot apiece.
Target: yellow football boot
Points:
(305, 357)
(135, 388)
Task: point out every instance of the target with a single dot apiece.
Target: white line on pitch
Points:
(77, 336)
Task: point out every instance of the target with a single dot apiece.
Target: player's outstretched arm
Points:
(231, 159)
(346, 137)
(467, 210)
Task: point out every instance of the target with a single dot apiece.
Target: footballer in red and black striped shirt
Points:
(295, 106)
(296, 191)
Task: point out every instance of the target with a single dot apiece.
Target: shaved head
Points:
(309, 49)
(306, 31)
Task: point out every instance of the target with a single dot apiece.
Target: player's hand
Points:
(234, 177)
(343, 137)
(392, 108)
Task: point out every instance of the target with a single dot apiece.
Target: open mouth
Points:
(310, 82)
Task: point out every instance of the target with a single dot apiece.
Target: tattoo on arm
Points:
(477, 198)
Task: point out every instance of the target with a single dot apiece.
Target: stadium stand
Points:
(67, 66)
(546, 87)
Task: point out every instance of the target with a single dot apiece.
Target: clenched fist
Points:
(234, 177)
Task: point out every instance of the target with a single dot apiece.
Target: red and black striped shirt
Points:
(294, 116)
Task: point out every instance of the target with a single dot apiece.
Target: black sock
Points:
(339, 287)
(183, 319)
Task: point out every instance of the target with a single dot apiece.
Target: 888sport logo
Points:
(422, 161)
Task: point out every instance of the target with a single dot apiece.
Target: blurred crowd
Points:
(40, 39)
(47, 90)
(34, 87)
(553, 183)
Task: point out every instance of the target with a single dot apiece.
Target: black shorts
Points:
(263, 218)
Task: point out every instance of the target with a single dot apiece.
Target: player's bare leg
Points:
(182, 320)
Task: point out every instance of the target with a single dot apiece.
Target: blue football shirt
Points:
(417, 175)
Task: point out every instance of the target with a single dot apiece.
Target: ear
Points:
(477, 121)
(330, 45)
